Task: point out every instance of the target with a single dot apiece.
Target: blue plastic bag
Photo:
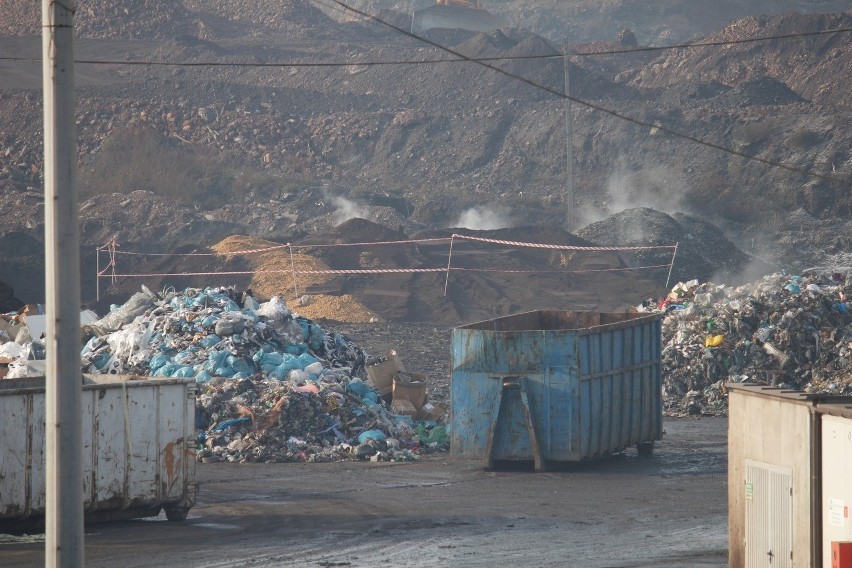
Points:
(371, 435)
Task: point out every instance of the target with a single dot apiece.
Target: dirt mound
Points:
(761, 91)
(299, 18)
(816, 67)
(703, 250)
(487, 44)
(146, 222)
(654, 23)
(149, 19)
(345, 308)
(274, 267)
(273, 276)
(157, 19)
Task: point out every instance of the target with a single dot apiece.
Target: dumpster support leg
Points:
(536, 449)
(519, 383)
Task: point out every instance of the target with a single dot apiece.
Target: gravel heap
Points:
(786, 330)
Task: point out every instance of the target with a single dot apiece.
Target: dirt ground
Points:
(626, 511)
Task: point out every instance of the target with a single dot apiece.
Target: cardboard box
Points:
(381, 374)
(431, 411)
(402, 407)
(410, 386)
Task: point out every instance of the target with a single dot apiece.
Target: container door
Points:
(836, 488)
(769, 516)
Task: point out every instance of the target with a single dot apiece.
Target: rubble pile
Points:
(272, 385)
(786, 330)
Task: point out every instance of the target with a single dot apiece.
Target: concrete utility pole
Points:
(64, 472)
(569, 133)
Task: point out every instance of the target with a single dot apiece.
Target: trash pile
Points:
(17, 345)
(272, 386)
(785, 330)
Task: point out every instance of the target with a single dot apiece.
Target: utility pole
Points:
(569, 151)
(63, 390)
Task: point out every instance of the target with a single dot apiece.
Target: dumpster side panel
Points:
(620, 382)
(557, 411)
(37, 474)
(143, 483)
(560, 427)
(15, 455)
(136, 446)
(88, 401)
(177, 418)
(475, 401)
(112, 454)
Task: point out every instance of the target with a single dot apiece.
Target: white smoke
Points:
(348, 209)
(482, 218)
(651, 186)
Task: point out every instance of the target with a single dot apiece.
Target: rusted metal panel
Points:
(137, 445)
(593, 383)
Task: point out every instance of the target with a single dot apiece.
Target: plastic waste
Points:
(438, 435)
(137, 305)
(772, 333)
(371, 435)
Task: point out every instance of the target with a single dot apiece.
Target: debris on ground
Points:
(792, 331)
(272, 385)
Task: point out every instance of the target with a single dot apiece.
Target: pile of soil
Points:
(807, 65)
(761, 91)
(273, 277)
(703, 252)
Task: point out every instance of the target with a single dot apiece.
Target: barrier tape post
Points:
(449, 261)
(671, 266)
(113, 246)
(98, 274)
(293, 266)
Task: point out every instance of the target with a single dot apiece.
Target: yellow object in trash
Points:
(714, 340)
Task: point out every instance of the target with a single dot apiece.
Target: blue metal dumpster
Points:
(555, 386)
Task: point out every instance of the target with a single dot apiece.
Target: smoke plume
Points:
(348, 209)
(483, 218)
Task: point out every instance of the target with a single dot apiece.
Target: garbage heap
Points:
(792, 331)
(272, 386)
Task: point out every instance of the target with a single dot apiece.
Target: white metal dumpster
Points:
(138, 442)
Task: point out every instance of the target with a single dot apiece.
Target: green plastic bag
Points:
(438, 434)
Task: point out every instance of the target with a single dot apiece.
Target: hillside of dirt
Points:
(179, 155)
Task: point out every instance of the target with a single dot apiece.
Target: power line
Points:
(431, 61)
(599, 108)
